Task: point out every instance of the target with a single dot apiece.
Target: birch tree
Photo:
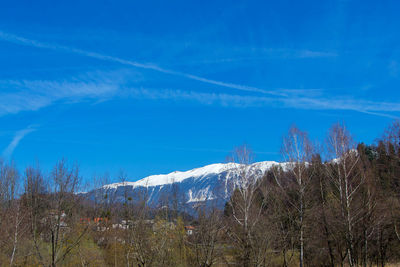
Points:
(347, 180)
(11, 212)
(246, 206)
(297, 151)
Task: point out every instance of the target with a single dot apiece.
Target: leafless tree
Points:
(344, 173)
(320, 214)
(138, 235)
(282, 213)
(53, 210)
(35, 201)
(297, 151)
(11, 212)
(391, 136)
(246, 206)
(206, 236)
(64, 213)
(389, 152)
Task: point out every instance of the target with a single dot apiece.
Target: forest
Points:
(334, 203)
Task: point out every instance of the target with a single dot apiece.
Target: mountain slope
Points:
(211, 182)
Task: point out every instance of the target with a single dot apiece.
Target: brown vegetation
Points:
(338, 205)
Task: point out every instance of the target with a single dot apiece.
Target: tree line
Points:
(330, 204)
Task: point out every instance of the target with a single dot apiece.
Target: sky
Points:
(150, 87)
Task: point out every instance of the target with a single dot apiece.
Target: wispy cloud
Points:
(44, 93)
(314, 54)
(297, 102)
(257, 54)
(25, 41)
(33, 95)
(19, 135)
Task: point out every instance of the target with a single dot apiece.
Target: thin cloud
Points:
(37, 94)
(45, 93)
(379, 114)
(280, 98)
(25, 41)
(262, 55)
(19, 135)
(242, 101)
(315, 54)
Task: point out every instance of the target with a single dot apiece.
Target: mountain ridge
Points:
(179, 176)
(207, 183)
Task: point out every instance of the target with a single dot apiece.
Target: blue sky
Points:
(156, 86)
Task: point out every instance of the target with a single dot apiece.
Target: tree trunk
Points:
(15, 237)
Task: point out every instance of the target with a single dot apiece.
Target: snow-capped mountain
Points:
(211, 182)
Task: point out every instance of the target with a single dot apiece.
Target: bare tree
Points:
(138, 236)
(34, 200)
(53, 212)
(346, 178)
(206, 237)
(388, 170)
(64, 212)
(320, 214)
(391, 136)
(297, 151)
(246, 206)
(11, 213)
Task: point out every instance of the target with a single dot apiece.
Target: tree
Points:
(321, 218)
(12, 215)
(344, 173)
(206, 237)
(54, 213)
(35, 202)
(297, 151)
(246, 206)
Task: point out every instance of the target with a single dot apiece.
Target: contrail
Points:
(34, 43)
(283, 96)
(378, 114)
(19, 135)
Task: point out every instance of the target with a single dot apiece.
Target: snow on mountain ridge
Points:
(178, 176)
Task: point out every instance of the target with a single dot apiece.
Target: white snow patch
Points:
(200, 196)
(178, 176)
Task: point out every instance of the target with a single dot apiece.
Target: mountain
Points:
(213, 183)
